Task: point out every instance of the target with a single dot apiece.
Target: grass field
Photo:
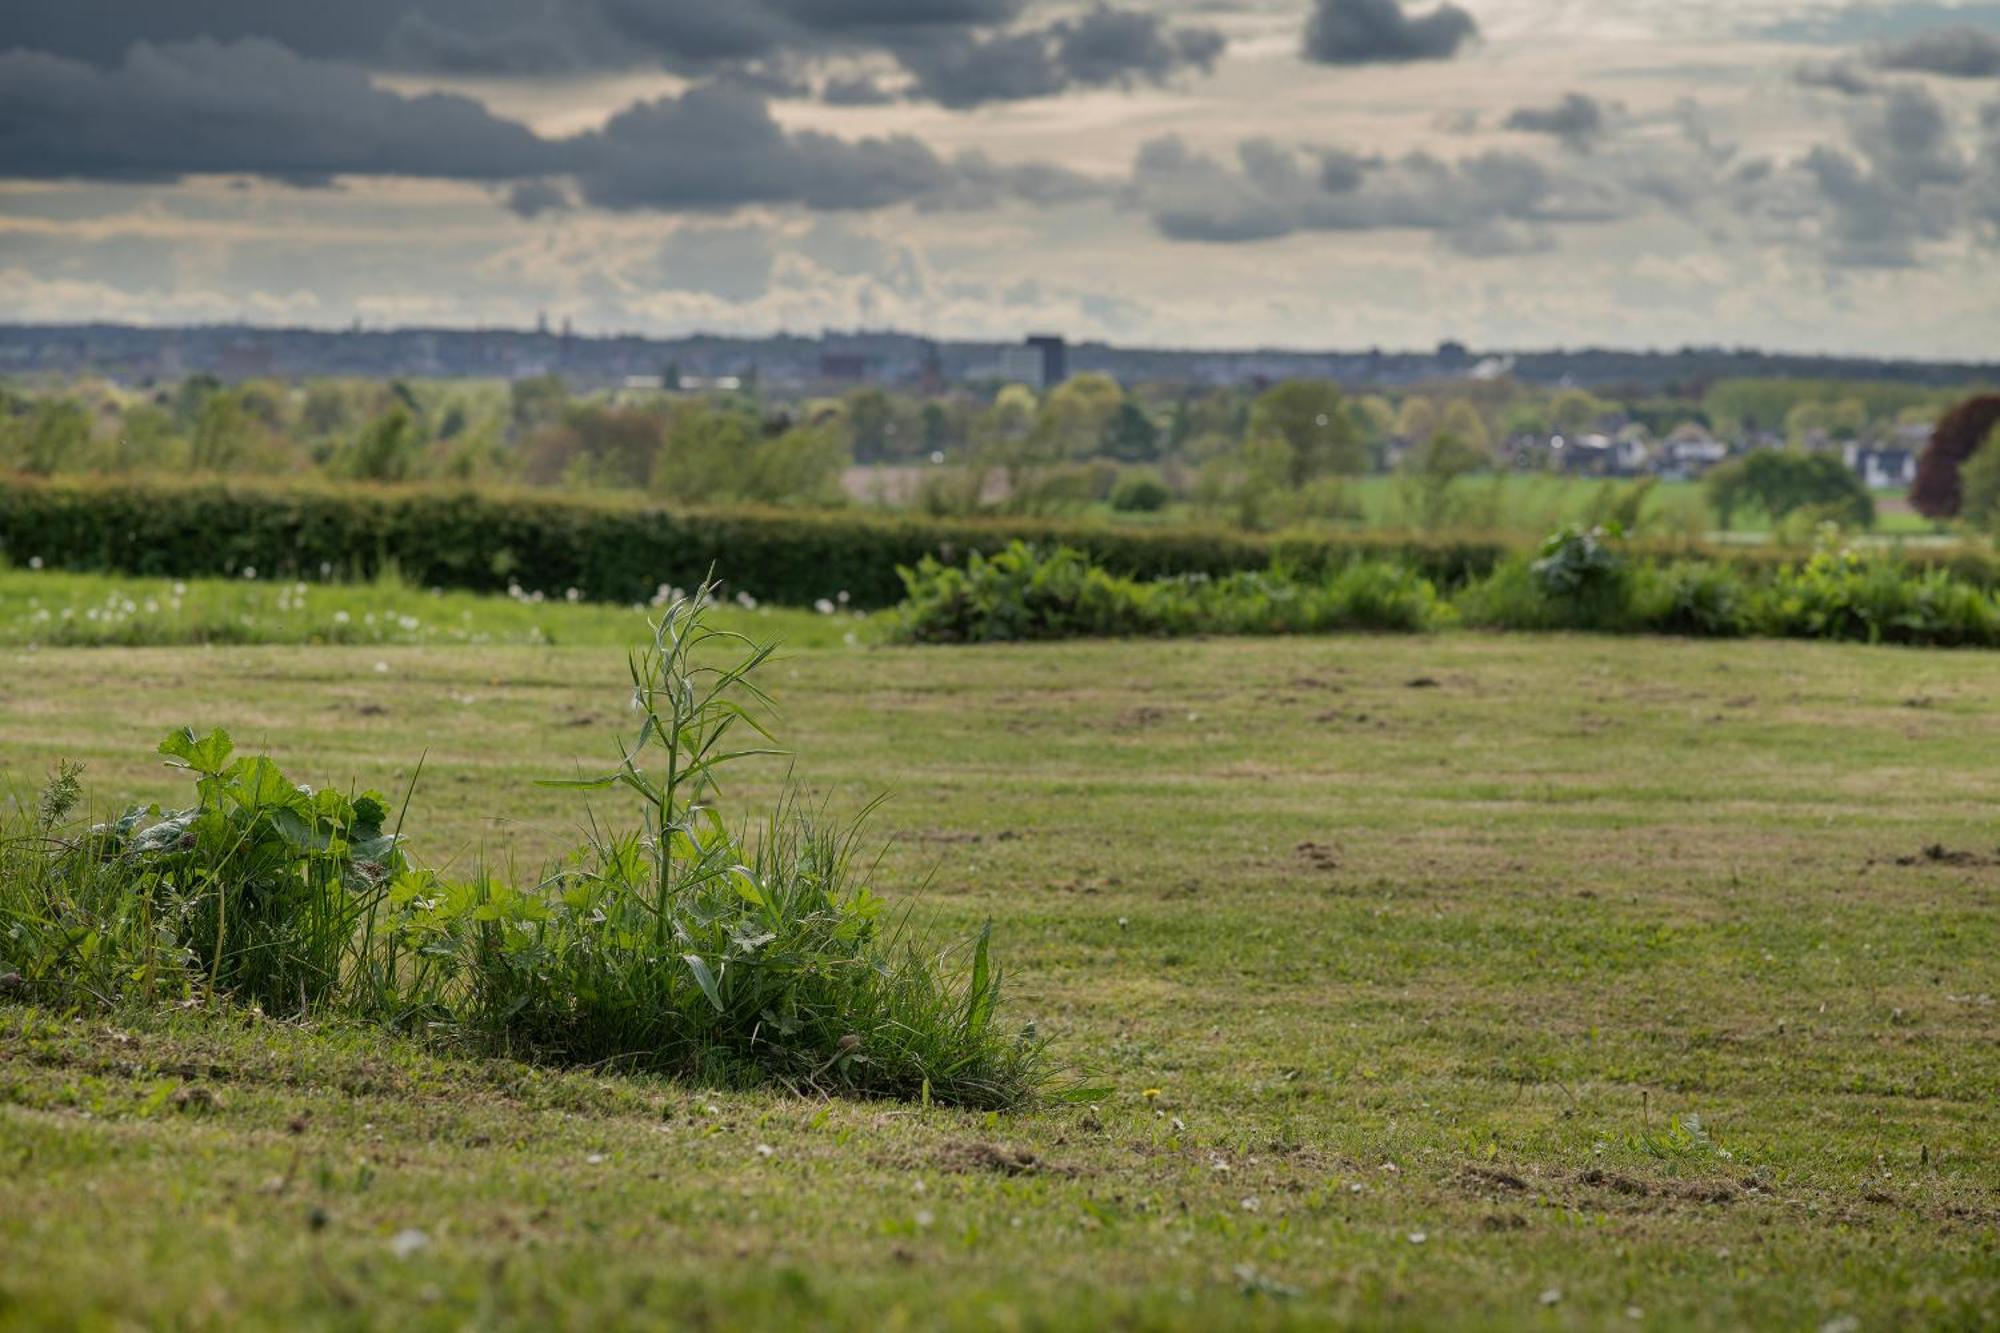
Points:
(46, 608)
(1441, 982)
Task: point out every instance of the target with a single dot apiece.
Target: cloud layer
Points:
(1366, 32)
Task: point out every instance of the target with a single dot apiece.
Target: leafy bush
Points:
(1582, 581)
(257, 889)
(1023, 593)
(1141, 491)
(1840, 595)
(682, 947)
(1693, 599)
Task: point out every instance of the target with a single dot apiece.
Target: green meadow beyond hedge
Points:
(614, 550)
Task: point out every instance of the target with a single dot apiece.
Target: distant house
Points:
(1882, 467)
(1689, 452)
(1598, 455)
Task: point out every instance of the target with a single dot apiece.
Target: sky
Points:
(1806, 175)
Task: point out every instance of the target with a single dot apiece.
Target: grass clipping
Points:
(681, 947)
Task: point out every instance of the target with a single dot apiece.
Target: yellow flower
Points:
(1150, 1093)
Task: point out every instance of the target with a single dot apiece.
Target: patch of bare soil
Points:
(1683, 1191)
(966, 1158)
(1320, 856)
(961, 837)
(1138, 719)
(1937, 854)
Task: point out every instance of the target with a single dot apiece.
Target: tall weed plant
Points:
(689, 945)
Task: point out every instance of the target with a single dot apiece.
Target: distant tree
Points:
(1525, 416)
(1938, 490)
(537, 401)
(1311, 417)
(1418, 419)
(388, 450)
(328, 409)
(1076, 413)
(53, 437)
(871, 419)
(1980, 483)
(1784, 481)
(1130, 436)
(225, 438)
(1430, 473)
(1576, 411)
(191, 397)
(1463, 422)
(937, 428)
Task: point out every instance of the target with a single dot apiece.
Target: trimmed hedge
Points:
(623, 551)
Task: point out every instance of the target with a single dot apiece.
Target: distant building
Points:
(1882, 467)
(1688, 452)
(1055, 358)
(843, 367)
(245, 361)
(1021, 365)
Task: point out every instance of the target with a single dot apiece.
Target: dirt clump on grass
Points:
(965, 1158)
(1937, 854)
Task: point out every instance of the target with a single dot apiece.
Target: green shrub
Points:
(1583, 580)
(1841, 595)
(1693, 599)
(257, 889)
(1141, 491)
(682, 947)
(1025, 594)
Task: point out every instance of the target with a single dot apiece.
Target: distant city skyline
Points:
(1799, 175)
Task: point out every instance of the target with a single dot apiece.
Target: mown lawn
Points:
(1433, 949)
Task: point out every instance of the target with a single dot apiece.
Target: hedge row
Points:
(616, 551)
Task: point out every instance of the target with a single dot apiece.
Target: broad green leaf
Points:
(704, 979)
(985, 986)
(205, 755)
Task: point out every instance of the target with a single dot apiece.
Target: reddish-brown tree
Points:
(1936, 493)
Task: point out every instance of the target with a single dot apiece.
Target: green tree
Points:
(871, 421)
(54, 437)
(1131, 436)
(537, 401)
(1576, 411)
(1075, 415)
(225, 438)
(1428, 479)
(1311, 417)
(1979, 480)
(1784, 481)
(388, 450)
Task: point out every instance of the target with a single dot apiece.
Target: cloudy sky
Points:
(1803, 174)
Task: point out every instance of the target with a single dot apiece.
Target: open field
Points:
(47, 608)
(1410, 963)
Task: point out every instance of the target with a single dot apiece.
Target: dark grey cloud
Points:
(1901, 181)
(249, 107)
(1272, 190)
(1957, 52)
(1365, 32)
(1834, 76)
(531, 199)
(1577, 120)
(254, 108)
(719, 147)
(1105, 47)
(856, 90)
(1910, 142)
(947, 44)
